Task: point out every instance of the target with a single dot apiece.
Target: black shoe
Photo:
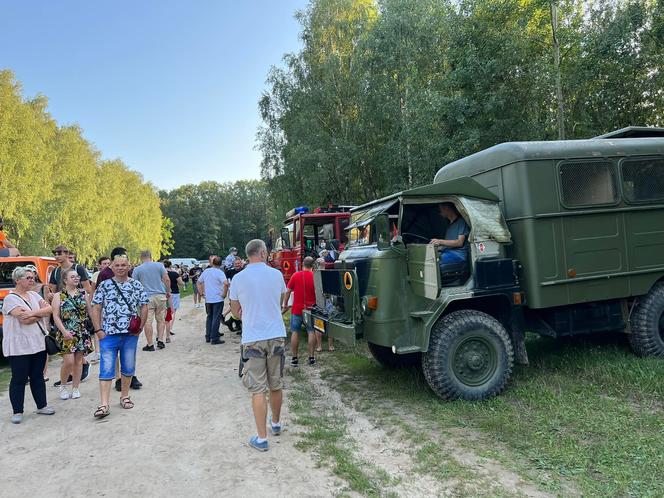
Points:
(160, 345)
(172, 333)
(294, 362)
(118, 385)
(217, 342)
(207, 339)
(85, 372)
(148, 348)
(135, 383)
(312, 360)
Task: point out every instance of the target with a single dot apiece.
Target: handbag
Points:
(135, 321)
(52, 345)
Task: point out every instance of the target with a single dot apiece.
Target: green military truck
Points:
(566, 238)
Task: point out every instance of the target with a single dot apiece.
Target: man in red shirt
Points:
(301, 284)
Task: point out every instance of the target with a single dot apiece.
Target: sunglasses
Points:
(29, 278)
(57, 253)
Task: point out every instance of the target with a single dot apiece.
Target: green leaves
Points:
(381, 96)
(211, 217)
(55, 188)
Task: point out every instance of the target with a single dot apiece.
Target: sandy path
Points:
(186, 436)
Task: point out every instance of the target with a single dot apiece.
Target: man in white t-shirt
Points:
(213, 285)
(256, 296)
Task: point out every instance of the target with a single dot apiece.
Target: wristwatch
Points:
(98, 330)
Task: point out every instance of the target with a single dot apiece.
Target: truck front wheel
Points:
(470, 356)
(387, 358)
(647, 323)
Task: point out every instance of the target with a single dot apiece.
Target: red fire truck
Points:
(305, 232)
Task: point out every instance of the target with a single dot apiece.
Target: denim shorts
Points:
(296, 324)
(109, 347)
(176, 301)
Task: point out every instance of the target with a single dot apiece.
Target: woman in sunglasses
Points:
(23, 342)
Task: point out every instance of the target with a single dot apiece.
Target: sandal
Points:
(126, 403)
(319, 350)
(331, 348)
(102, 411)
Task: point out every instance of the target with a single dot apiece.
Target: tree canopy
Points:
(56, 189)
(384, 93)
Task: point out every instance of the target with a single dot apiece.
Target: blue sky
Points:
(170, 87)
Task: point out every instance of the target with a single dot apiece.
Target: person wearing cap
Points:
(61, 254)
(7, 249)
(230, 259)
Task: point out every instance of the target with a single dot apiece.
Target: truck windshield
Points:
(361, 235)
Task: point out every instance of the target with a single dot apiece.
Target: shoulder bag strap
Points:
(123, 296)
(28, 305)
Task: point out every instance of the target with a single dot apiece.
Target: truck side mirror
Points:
(383, 235)
(285, 238)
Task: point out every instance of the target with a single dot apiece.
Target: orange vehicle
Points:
(303, 233)
(44, 265)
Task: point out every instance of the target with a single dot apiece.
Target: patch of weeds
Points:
(326, 436)
(584, 412)
(5, 374)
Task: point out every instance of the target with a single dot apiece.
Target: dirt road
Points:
(185, 437)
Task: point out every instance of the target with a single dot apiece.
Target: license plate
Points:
(319, 325)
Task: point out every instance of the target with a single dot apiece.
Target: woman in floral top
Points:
(71, 309)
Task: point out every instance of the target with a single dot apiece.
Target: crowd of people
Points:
(99, 318)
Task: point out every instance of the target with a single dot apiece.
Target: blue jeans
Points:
(448, 257)
(109, 347)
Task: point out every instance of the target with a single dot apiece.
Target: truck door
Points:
(423, 270)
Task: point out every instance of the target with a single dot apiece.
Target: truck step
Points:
(422, 315)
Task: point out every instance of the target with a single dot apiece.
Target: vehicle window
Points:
(6, 270)
(643, 179)
(343, 223)
(588, 183)
(361, 236)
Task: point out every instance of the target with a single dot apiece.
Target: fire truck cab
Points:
(306, 232)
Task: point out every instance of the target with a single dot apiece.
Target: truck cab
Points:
(304, 231)
(388, 286)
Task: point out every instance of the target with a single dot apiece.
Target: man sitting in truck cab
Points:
(455, 244)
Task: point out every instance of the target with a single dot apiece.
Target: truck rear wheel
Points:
(647, 337)
(387, 358)
(470, 356)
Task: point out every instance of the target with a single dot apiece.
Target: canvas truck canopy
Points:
(486, 219)
(362, 217)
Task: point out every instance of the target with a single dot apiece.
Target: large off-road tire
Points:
(387, 358)
(647, 324)
(470, 356)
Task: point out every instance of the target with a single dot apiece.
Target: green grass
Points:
(586, 413)
(5, 374)
(186, 292)
(325, 435)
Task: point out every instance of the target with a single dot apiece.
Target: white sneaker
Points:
(75, 394)
(64, 394)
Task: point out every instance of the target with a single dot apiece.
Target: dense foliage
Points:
(384, 93)
(55, 188)
(211, 217)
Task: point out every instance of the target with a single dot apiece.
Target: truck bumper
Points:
(344, 332)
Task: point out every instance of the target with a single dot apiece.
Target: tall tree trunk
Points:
(556, 65)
